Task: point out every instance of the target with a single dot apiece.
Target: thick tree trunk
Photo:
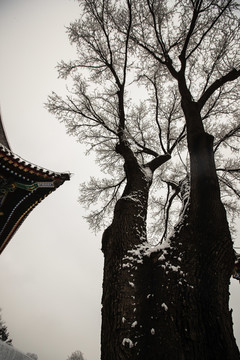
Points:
(191, 276)
(119, 301)
(190, 311)
(121, 335)
(171, 303)
(126, 281)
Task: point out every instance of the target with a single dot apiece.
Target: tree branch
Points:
(127, 40)
(182, 56)
(209, 28)
(158, 161)
(167, 212)
(231, 76)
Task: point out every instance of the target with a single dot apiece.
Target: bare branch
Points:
(231, 133)
(209, 28)
(158, 161)
(182, 55)
(231, 76)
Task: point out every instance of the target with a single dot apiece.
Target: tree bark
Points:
(120, 334)
(191, 276)
(126, 278)
(170, 303)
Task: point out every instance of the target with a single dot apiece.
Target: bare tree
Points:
(182, 55)
(197, 44)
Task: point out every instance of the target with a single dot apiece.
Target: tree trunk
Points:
(171, 303)
(191, 276)
(126, 278)
(120, 301)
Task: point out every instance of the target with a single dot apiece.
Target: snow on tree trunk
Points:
(170, 303)
(121, 300)
(190, 278)
(126, 278)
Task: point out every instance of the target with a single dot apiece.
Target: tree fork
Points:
(126, 284)
(190, 278)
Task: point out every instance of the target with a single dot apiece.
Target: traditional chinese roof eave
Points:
(29, 184)
(22, 166)
(15, 218)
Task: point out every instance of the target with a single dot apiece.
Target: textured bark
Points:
(191, 277)
(126, 278)
(192, 281)
(173, 303)
(128, 229)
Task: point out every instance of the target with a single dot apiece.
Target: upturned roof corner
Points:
(23, 186)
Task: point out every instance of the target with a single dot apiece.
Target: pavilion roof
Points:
(22, 186)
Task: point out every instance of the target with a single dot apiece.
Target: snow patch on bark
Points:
(137, 254)
(135, 196)
(128, 342)
(171, 267)
(164, 306)
(147, 249)
(149, 296)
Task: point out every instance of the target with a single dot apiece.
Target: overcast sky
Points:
(51, 272)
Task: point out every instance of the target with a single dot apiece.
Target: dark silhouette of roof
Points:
(22, 186)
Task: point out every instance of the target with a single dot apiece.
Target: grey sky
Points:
(51, 272)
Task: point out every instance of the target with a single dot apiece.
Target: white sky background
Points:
(51, 272)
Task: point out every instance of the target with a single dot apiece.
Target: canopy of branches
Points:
(132, 57)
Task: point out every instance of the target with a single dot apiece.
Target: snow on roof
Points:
(8, 352)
